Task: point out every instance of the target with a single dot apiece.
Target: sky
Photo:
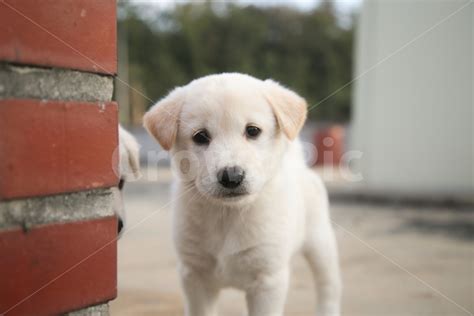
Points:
(343, 6)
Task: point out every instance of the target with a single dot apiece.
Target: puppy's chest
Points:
(240, 251)
(223, 239)
(238, 261)
(235, 249)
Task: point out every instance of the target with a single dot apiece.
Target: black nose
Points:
(231, 177)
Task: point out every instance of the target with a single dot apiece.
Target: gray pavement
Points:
(395, 259)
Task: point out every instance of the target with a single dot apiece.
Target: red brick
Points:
(78, 34)
(56, 268)
(50, 147)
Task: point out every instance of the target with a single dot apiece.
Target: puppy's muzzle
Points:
(231, 177)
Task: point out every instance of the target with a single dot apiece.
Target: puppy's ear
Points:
(129, 156)
(290, 109)
(161, 120)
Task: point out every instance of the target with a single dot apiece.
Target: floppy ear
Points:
(161, 121)
(129, 161)
(290, 109)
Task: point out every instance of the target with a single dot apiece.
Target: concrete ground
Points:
(396, 260)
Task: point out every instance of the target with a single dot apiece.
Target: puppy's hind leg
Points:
(321, 253)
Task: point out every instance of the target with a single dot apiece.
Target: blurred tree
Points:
(307, 51)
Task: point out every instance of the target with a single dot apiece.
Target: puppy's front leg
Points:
(321, 253)
(267, 297)
(200, 293)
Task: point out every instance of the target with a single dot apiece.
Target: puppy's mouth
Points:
(223, 195)
(233, 194)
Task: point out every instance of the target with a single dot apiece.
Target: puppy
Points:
(245, 202)
(129, 170)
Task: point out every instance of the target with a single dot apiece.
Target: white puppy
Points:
(245, 202)
(129, 170)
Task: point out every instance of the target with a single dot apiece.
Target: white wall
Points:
(413, 107)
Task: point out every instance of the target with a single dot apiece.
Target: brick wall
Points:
(58, 135)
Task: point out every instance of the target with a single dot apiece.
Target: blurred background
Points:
(306, 45)
(389, 88)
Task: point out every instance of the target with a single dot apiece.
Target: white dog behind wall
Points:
(245, 202)
(128, 170)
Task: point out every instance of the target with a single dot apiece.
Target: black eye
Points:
(202, 137)
(121, 183)
(252, 131)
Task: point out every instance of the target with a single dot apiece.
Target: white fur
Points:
(129, 169)
(245, 242)
(129, 161)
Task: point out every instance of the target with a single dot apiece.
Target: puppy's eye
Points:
(252, 131)
(201, 137)
(121, 183)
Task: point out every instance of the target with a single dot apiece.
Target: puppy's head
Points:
(227, 133)
(129, 158)
(129, 169)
